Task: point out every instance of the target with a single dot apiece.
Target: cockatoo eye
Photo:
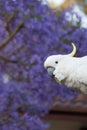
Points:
(56, 62)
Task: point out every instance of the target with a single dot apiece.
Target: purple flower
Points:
(26, 91)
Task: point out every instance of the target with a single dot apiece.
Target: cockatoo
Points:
(68, 70)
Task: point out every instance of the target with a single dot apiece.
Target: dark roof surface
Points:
(75, 109)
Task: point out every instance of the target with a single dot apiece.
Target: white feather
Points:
(70, 71)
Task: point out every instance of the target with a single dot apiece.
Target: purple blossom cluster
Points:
(26, 91)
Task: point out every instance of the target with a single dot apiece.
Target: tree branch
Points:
(8, 60)
(9, 19)
(13, 33)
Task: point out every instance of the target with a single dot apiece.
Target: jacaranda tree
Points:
(29, 32)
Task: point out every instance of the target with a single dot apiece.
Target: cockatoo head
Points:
(52, 62)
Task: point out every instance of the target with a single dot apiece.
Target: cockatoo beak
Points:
(50, 71)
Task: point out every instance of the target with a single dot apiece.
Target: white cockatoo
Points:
(68, 70)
